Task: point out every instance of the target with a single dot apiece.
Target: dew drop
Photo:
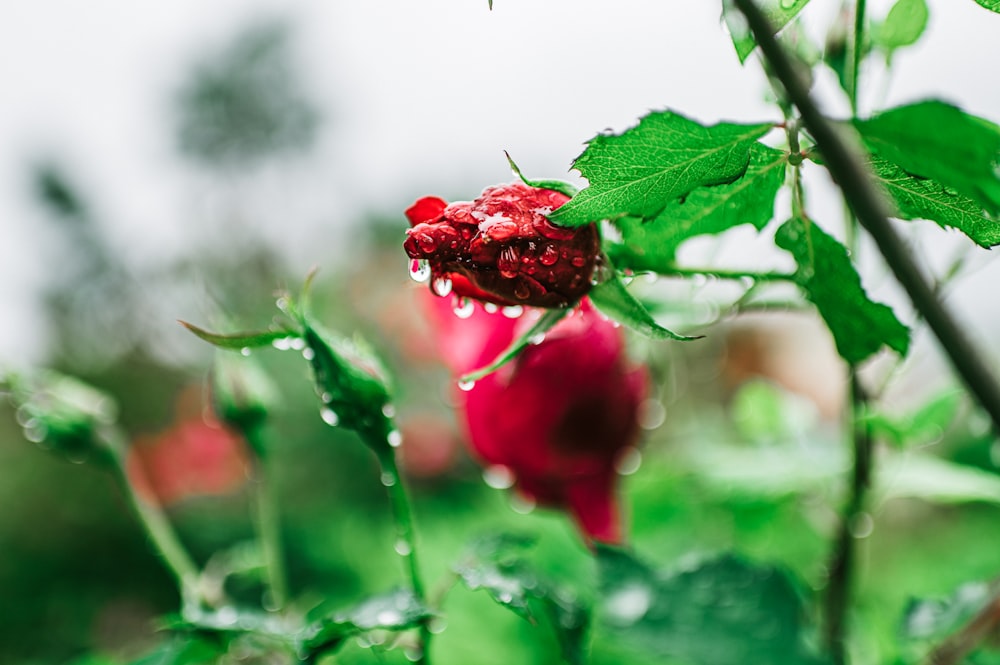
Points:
(388, 479)
(395, 438)
(513, 311)
(522, 505)
(298, 343)
(628, 604)
(420, 270)
(491, 308)
(441, 286)
(521, 291)
(507, 262)
(578, 261)
(498, 476)
(549, 256)
(308, 353)
(282, 343)
(245, 351)
(466, 386)
(427, 242)
(536, 339)
(402, 547)
(464, 308)
(388, 410)
(628, 461)
(329, 416)
(282, 303)
(651, 414)
(788, 4)
(862, 525)
(226, 616)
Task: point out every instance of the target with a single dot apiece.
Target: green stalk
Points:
(156, 524)
(675, 271)
(406, 545)
(857, 55)
(267, 523)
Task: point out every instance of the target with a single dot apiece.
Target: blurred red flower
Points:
(501, 248)
(196, 455)
(559, 416)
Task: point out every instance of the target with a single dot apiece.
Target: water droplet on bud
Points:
(441, 286)
(420, 270)
(464, 308)
(395, 438)
(536, 339)
(491, 308)
(388, 410)
(308, 353)
(549, 256)
(388, 479)
(513, 311)
(402, 547)
(466, 386)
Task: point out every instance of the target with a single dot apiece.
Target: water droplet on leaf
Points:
(387, 479)
(402, 547)
(308, 353)
(388, 410)
(329, 416)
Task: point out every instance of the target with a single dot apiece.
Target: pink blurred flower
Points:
(196, 455)
(559, 416)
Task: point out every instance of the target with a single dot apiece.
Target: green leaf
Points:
(992, 5)
(396, 610)
(554, 185)
(614, 301)
(924, 198)
(547, 321)
(779, 13)
(721, 612)
(496, 564)
(903, 25)
(918, 476)
(664, 157)
(241, 340)
(352, 385)
(923, 426)
(652, 244)
(859, 326)
(932, 139)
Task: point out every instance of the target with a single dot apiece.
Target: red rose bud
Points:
(501, 248)
(560, 416)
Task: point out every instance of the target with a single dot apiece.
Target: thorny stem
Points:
(156, 524)
(267, 522)
(847, 169)
(841, 569)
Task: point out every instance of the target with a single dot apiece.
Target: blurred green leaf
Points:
(242, 394)
(393, 611)
(241, 340)
(537, 331)
(903, 25)
(778, 12)
(932, 139)
(725, 611)
(923, 426)
(925, 198)
(764, 412)
(613, 299)
(860, 327)
(665, 156)
(919, 476)
(183, 649)
(496, 564)
(652, 244)
(554, 185)
(992, 5)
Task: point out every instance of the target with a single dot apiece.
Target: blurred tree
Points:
(245, 104)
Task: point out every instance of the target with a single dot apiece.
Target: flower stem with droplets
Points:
(405, 544)
(161, 533)
(268, 526)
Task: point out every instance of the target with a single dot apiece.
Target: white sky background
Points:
(420, 97)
